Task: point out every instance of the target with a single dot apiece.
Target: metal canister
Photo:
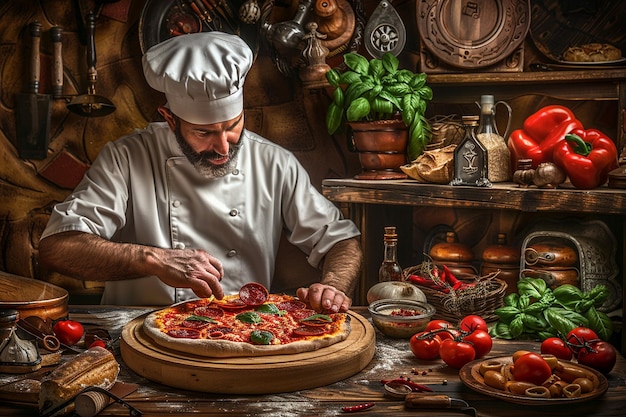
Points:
(503, 259)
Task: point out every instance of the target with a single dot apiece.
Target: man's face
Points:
(212, 149)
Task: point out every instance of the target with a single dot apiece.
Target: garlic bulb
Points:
(396, 290)
(18, 351)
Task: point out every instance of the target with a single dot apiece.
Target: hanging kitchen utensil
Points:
(385, 31)
(57, 66)
(32, 112)
(91, 104)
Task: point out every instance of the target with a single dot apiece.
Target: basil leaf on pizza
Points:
(261, 337)
(249, 317)
(250, 323)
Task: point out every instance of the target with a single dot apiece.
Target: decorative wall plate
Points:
(473, 34)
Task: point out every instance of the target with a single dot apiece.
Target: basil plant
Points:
(378, 90)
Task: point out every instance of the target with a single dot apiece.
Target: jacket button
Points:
(176, 203)
(234, 212)
(231, 253)
(235, 172)
(180, 245)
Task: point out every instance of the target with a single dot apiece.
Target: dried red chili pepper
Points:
(358, 407)
(406, 381)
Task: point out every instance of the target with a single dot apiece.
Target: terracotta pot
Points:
(382, 148)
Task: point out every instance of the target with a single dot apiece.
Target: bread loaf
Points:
(592, 52)
(94, 367)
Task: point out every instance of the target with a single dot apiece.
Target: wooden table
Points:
(393, 358)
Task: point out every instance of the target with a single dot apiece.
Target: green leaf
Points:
(501, 330)
(599, 294)
(193, 317)
(534, 323)
(261, 337)
(390, 62)
(357, 90)
(507, 313)
(531, 287)
(270, 308)
(376, 69)
(334, 116)
(600, 323)
(524, 301)
(426, 93)
(318, 317)
(564, 320)
(356, 62)
(404, 76)
(417, 142)
(568, 295)
(388, 96)
(349, 77)
(333, 77)
(358, 109)
(511, 300)
(418, 81)
(338, 97)
(516, 326)
(249, 317)
(544, 334)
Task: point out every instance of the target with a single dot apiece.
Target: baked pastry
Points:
(592, 52)
(94, 367)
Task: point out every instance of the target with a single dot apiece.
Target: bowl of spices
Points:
(400, 318)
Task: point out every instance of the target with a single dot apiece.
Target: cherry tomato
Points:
(578, 336)
(456, 353)
(481, 340)
(98, 343)
(473, 322)
(599, 355)
(438, 324)
(425, 345)
(557, 347)
(532, 368)
(68, 332)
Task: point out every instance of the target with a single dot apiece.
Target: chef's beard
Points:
(202, 160)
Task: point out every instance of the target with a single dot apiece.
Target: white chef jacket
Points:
(142, 189)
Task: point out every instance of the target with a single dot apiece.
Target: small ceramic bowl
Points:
(400, 318)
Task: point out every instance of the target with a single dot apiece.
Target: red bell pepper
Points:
(540, 134)
(586, 156)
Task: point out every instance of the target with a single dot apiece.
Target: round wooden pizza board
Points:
(249, 375)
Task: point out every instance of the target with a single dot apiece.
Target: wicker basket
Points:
(455, 305)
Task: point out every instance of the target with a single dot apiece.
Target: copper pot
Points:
(554, 277)
(550, 254)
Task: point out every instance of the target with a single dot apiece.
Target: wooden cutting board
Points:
(249, 375)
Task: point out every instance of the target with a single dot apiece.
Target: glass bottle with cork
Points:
(498, 154)
(470, 157)
(390, 269)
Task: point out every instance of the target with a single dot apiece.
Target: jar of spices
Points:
(456, 256)
(498, 154)
(503, 259)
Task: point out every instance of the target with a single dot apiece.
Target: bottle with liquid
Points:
(390, 269)
(470, 157)
(498, 154)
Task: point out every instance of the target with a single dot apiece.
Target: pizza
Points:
(250, 323)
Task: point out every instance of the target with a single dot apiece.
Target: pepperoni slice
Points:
(219, 332)
(206, 311)
(253, 294)
(235, 304)
(182, 333)
(291, 305)
(308, 331)
(194, 324)
(302, 314)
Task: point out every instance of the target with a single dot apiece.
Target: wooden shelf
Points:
(507, 196)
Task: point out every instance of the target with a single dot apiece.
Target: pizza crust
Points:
(220, 348)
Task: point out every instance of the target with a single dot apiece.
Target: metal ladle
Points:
(91, 104)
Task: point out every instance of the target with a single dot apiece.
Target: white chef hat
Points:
(202, 75)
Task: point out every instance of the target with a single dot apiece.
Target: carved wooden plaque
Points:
(472, 34)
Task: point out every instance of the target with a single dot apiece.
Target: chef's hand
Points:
(324, 298)
(192, 268)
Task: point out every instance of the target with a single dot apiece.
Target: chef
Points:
(195, 206)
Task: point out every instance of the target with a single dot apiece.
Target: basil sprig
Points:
(261, 337)
(536, 311)
(249, 317)
(270, 308)
(193, 317)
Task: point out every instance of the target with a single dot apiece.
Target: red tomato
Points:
(99, 343)
(481, 340)
(532, 368)
(473, 322)
(456, 354)
(68, 332)
(599, 355)
(578, 336)
(425, 345)
(441, 324)
(557, 347)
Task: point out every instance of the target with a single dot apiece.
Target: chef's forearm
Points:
(342, 265)
(89, 257)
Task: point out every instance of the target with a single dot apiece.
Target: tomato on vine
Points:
(557, 347)
(481, 341)
(438, 325)
(473, 322)
(456, 353)
(425, 345)
(578, 336)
